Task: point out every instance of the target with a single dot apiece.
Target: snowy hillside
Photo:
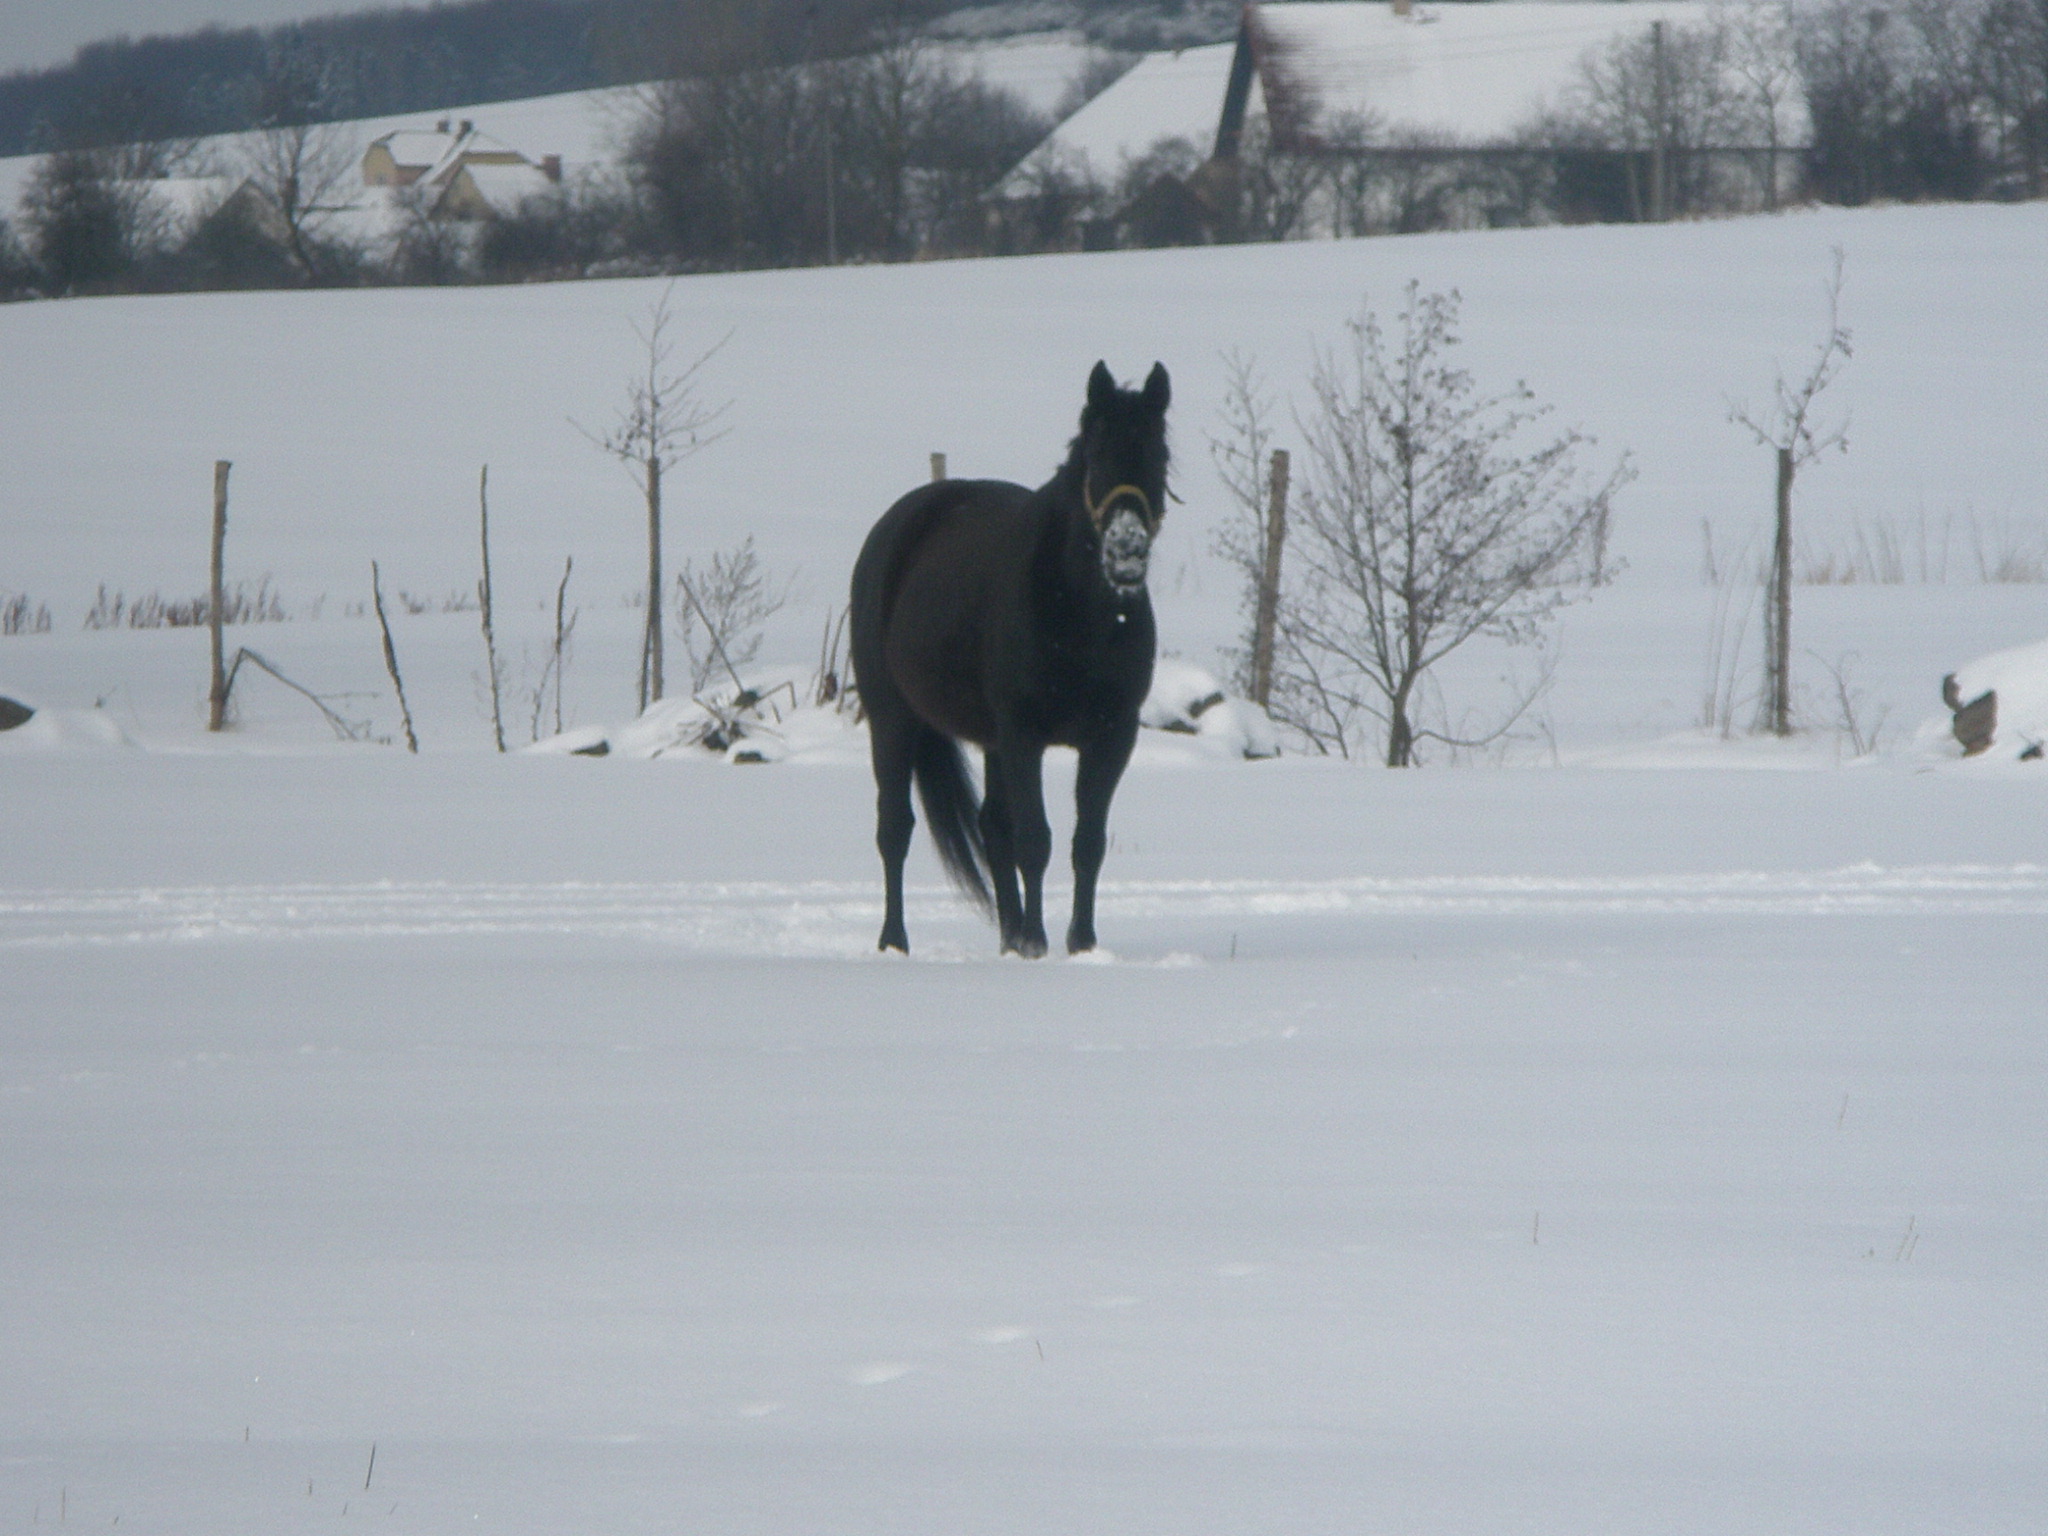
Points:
(587, 128)
(536, 1144)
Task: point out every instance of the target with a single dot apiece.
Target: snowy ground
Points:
(1555, 1149)
(1476, 1151)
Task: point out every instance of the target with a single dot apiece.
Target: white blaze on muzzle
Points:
(1124, 518)
(1126, 550)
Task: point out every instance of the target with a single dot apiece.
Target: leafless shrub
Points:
(1425, 522)
(1854, 720)
(240, 604)
(721, 609)
(20, 616)
(458, 600)
(1888, 550)
(1241, 451)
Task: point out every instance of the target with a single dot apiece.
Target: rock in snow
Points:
(2018, 723)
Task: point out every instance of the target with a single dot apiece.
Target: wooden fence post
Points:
(1267, 615)
(1780, 661)
(483, 595)
(217, 694)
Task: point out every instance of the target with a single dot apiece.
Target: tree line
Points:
(786, 132)
(378, 63)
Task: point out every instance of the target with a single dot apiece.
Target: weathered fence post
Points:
(1780, 662)
(1267, 615)
(483, 595)
(217, 694)
(412, 741)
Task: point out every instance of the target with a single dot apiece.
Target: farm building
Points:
(463, 172)
(1346, 118)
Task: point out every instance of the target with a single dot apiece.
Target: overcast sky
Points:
(35, 33)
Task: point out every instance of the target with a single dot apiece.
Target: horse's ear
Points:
(1158, 390)
(1101, 388)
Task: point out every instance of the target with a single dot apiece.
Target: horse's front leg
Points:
(1095, 780)
(1030, 838)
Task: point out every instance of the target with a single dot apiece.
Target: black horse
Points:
(1016, 620)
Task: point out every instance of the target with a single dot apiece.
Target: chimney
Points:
(1403, 7)
(441, 126)
(551, 167)
(467, 127)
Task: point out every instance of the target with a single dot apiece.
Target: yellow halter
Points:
(1096, 509)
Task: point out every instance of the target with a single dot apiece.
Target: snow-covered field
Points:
(1536, 1149)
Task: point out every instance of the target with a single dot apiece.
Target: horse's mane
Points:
(1070, 472)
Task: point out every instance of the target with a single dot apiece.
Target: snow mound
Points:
(2019, 678)
(1187, 700)
(767, 722)
(67, 730)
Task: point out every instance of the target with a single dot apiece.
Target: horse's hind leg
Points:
(1002, 852)
(893, 749)
(1095, 780)
(1030, 840)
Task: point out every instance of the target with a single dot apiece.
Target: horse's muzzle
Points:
(1126, 551)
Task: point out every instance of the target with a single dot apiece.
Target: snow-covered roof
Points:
(1471, 73)
(192, 197)
(417, 147)
(1037, 67)
(504, 187)
(443, 153)
(1164, 95)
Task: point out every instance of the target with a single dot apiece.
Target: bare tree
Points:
(1760, 56)
(1242, 453)
(1666, 92)
(1790, 430)
(665, 420)
(1423, 523)
(302, 170)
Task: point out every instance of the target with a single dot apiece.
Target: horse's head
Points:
(1122, 459)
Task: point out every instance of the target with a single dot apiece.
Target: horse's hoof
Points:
(1027, 946)
(1080, 943)
(896, 941)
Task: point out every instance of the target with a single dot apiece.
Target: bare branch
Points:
(1789, 423)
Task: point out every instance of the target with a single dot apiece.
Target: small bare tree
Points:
(1790, 430)
(1239, 451)
(1423, 523)
(1253, 534)
(665, 420)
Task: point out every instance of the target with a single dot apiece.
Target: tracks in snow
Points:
(827, 918)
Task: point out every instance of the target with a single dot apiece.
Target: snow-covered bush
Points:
(1189, 701)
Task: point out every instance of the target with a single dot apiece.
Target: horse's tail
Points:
(952, 814)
